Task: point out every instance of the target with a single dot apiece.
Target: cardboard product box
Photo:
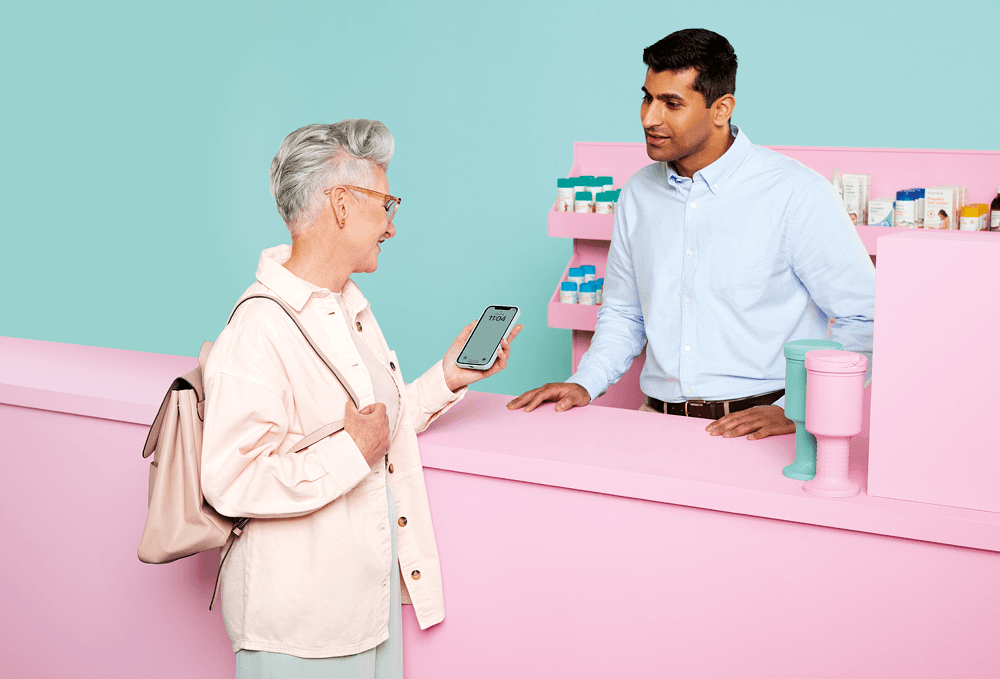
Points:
(881, 212)
(938, 200)
(856, 190)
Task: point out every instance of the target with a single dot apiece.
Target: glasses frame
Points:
(390, 205)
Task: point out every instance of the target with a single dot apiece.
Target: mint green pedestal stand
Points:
(804, 467)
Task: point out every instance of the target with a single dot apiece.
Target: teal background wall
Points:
(136, 141)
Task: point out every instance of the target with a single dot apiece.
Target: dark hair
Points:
(705, 51)
(943, 213)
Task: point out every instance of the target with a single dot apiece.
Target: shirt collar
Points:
(716, 174)
(292, 289)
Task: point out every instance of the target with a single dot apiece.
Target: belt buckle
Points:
(694, 403)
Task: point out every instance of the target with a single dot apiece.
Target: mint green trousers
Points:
(385, 661)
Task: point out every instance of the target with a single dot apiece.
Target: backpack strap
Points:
(329, 363)
(312, 438)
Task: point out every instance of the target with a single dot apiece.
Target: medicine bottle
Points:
(995, 212)
(565, 193)
(969, 221)
(584, 202)
(604, 204)
(600, 290)
(567, 292)
(589, 273)
(576, 275)
(607, 183)
(588, 294)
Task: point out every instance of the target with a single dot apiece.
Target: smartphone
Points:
(480, 350)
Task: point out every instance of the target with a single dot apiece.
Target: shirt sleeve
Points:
(827, 255)
(244, 471)
(430, 397)
(620, 333)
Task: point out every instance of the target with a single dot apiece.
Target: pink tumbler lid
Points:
(835, 361)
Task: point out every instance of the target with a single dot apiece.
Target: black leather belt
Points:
(713, 410)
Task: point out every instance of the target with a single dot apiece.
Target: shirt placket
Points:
(689, 192)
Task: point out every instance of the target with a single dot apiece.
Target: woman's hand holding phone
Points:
(456, 377)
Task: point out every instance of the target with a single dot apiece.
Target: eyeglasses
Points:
(390, 203)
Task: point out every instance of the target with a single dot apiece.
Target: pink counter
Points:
(593, 543)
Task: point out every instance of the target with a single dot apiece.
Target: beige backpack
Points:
(179, 521)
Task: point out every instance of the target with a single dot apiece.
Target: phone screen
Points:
(481, 346)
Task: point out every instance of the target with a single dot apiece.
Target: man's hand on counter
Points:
(567, 394)
(755, 423)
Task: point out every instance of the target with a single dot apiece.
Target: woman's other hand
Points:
(369, 428)
(456, 377)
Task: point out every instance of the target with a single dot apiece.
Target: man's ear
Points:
(722, 110)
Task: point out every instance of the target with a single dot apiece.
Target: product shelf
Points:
(574, 316)
(580, 225)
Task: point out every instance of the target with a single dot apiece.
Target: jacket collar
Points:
(293, 290)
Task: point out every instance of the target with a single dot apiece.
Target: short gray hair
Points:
(311, 155)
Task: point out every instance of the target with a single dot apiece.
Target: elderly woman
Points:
(340, 532)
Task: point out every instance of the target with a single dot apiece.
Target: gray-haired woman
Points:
(341, 531)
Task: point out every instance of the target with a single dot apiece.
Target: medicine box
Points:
(881, 212)
(856, 189)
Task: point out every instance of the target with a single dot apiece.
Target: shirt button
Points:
(694, 204)
(687, 300)
(687, 391)
(715, 186)
(359, 326)
(689, 253)
(390, 467)
(687, 348)
(392, 365)
(402, 521)
(415, 575)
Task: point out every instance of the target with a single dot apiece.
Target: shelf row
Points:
(599, 227)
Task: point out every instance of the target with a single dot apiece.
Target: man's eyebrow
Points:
(669, 96)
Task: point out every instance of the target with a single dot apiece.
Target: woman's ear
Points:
(338, 199)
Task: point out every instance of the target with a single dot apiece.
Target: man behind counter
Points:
(722, 251)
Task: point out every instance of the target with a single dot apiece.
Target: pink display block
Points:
(936, 376)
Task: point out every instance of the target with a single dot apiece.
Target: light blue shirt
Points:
(714, 274)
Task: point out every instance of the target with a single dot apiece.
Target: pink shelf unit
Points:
(891, 170)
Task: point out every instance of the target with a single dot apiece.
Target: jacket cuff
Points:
(342, 458)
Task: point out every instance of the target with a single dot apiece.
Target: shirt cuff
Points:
(780, 403)
(593, 386)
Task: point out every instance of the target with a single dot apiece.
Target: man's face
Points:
(674, 116)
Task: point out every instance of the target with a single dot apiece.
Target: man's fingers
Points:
(520, 400)
(727, 422)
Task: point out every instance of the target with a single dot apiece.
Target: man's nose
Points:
(653, 116)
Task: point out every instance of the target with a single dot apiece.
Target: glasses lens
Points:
(390, 210)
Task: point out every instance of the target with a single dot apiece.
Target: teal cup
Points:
(804, 467)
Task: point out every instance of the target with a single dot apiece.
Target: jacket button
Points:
(359, 326)
(390, 467)
(415, 575)
(402, 521)
(392, 365)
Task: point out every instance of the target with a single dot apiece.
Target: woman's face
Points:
(367, 226)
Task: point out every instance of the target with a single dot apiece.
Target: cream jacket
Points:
(310, 575)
